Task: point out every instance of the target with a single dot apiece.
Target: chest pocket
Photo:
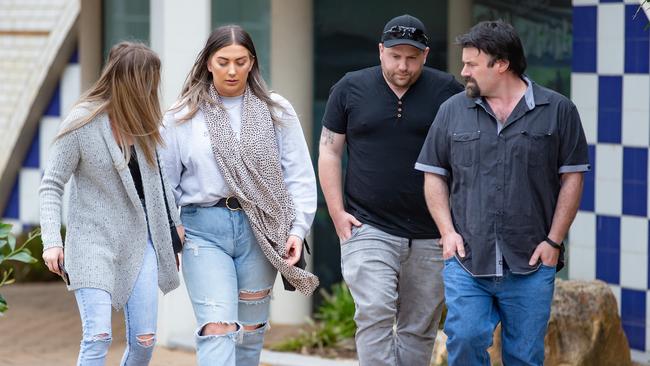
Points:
(464, 148)
(538, 147)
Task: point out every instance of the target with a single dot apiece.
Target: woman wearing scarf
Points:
(239, 165)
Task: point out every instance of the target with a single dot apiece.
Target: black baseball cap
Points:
(405, 29)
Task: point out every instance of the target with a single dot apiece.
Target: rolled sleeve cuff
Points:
(299, 232)
(432, 169)
(574, 168)
(51, 237)
(52, 245)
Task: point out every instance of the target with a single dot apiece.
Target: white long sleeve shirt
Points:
(192, 171)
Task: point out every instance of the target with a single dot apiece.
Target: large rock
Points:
(439, 356)
(584, 329)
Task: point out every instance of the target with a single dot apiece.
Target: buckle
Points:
(230, 208)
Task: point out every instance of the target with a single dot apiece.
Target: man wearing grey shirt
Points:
(512, 154)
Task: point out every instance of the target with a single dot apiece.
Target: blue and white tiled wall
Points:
(22, 206)
(610, 85)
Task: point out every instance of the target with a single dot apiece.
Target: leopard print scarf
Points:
(251, 168)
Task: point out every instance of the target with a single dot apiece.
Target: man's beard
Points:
(401, 82)
(471, 88)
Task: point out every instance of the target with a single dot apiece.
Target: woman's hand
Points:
(180, 229)
(294, 249)
(53, 258)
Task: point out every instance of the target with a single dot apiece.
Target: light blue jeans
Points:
(475, 305)
(221, 260)
(140, 313)
(397, 288)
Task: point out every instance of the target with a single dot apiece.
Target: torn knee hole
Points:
(146, 340)
(102, 337)
(253, 327)
(218, 328)
(257, 295)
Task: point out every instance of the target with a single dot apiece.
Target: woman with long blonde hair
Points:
(238, 163)
(118, 247)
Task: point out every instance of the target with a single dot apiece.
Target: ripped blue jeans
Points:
(140, 314)
(229, 282)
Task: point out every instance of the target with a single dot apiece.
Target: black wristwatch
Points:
(552, 243)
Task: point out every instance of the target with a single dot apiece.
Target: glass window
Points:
(347, 34)
(125, 20)
(254, 17)
(546, 30)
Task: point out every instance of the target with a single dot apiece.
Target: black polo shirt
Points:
(384, 135)
(504, 183)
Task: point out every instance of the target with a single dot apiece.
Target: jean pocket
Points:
(547, 267)
(449, 260)
(353, 232)
(189, 210)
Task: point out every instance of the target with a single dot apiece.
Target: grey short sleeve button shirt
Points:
(504, 179)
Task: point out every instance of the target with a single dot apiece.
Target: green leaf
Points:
(12, 242)
(34, 233)
(22, 256)
(5, 229)
(3, 305)
(2, 242)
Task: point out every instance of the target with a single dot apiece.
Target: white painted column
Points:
(292, 77)
(90, 42)
(178, 30)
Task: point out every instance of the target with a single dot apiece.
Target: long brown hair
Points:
(128, 91)
(196, 86)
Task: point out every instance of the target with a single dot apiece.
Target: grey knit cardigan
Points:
(106, 236)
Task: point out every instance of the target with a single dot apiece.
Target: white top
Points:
(194, 175)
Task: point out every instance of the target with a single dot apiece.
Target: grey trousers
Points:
(398, 293)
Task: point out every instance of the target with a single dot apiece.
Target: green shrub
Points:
(37, 271)
(337, 311)
(335, 323)
(9, 252)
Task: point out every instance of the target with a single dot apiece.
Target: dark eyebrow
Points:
(227, 59)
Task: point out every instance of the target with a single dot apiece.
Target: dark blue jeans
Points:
(522, 303)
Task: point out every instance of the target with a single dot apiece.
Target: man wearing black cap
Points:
(390, 256)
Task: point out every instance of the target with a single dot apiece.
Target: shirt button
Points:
(399, 102)
(499, 161)
(399, 115)
(498, 188)
(399, 109)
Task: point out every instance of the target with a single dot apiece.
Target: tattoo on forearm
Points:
(326, 137)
